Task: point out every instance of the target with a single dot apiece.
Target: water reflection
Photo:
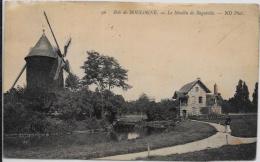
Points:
(132, 135)
(133, 132)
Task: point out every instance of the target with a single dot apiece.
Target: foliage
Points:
(72, 82)
(255, 98)
(84, 104)
(72, 105)
(240, 102)
(227, 107)
(24, 111)
(104, 71)
(163, 110)
(114, 104)
(138, 106)
(204, 110)
(143, 103)
(241, 125)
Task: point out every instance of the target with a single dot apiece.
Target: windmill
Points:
(45, 64)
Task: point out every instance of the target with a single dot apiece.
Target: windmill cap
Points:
(42, 48)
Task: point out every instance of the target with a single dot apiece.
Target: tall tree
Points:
(105, 72)
(237, 101)
(239, 90)
(246, 101)
(255, 97)
(241, 101)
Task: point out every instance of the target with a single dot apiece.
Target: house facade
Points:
(195, 98)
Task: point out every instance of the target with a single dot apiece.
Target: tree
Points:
(241, 101)
(246, 101)
(227, 106)
(166, 109)
(104, 71)
(143, 103)
(113, 105)
(73, 105)
(72, 82)
(255, 98)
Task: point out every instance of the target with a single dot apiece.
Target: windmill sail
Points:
(66, 47)
(67, 66)
(60, 65)
(19, 75)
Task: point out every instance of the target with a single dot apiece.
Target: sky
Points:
(161, 52)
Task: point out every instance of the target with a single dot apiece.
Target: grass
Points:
(228, 152)
(241, 125)
(185, 132)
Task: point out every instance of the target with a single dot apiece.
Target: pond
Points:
(115, 135)
(133, 132)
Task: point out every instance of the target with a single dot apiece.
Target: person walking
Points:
(227, 124)
(227, 127)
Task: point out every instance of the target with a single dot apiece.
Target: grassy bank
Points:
(183, 133)
(228, 152)
(241, 125)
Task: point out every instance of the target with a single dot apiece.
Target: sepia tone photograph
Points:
(130, 81)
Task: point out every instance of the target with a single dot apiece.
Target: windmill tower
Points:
(45, 64)
(41, 66)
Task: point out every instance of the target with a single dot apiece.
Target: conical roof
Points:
(42, 48)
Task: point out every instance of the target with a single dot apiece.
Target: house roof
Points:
(43, 48)
(187, 87)
(178, 94)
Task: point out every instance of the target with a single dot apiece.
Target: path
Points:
(214, 141)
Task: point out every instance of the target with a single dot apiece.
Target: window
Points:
(196, 89)
(200, 99)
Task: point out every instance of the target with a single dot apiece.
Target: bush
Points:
(164, 110)
(204, 110)
(43, 112)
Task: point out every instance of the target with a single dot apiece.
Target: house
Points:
(195, 98)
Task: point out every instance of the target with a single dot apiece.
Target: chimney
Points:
(215, 89)
(198, 78)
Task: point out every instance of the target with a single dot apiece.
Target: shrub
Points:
(164, 110)
(204, 110)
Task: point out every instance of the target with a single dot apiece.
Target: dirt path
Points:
(214, 141)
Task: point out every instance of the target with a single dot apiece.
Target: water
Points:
(117, 134)
(131, 133)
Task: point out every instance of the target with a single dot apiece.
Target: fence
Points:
(222, 116)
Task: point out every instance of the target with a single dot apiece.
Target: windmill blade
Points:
(61, 62)
(66, 47)
(59, 52)
(67, 67)
(19, 75)
(60, 65)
